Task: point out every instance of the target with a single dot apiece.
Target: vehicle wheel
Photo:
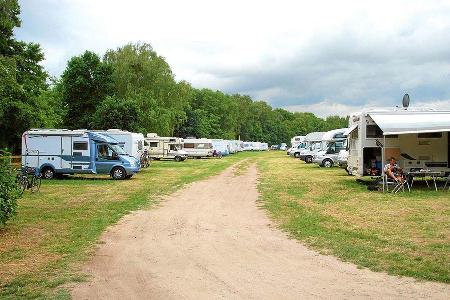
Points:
(327, 163)
(178, 158)
(296, 155)
(23, 183)
(35, 184)
(48, 173)
(118, 173)
(308, 159)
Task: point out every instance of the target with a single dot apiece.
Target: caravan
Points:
(333, 142)
(417, 138)
(297, 140)
(198, 147)
(313, 144)
(220, 146)
(62, 151)
(159, 147)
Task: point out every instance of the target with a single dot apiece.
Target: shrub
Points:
(9, 190)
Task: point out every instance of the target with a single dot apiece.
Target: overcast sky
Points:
(328, 57)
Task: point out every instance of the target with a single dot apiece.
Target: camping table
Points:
(432, 174)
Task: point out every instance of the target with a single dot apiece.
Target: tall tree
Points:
(85, 83)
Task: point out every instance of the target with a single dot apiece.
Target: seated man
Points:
(393, 170)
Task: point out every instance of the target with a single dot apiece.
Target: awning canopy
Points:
(405, 122)
(350, 130)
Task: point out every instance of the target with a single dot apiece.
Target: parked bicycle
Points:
(29, 178)
(145, 159)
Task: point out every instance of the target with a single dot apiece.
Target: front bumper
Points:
(132, 170)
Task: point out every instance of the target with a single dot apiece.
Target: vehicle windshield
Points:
(116, 148)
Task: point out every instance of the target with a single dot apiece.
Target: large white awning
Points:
(412, 122)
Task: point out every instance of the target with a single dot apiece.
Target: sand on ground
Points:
(211, 240)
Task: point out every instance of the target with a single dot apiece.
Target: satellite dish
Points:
(405, 101)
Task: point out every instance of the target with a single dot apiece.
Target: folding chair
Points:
(398, 185)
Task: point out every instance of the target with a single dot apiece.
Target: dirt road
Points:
(212, 241)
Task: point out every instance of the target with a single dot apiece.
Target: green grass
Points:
(404, 234)
(55, 230)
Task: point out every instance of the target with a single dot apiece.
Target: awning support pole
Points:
(382, 162)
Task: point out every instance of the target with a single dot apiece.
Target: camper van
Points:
(296, 140)
(198, 147)
(161, 147)
(417, 138)
(313, 144)
(333, 142)
(62, 151)
(131, 142)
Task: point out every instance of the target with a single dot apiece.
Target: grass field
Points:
(57, 228)
(403, 234)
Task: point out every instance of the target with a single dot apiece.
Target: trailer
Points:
(221, 146)
(160, 147)
(198, 147)
(417, 138)
(62, 151)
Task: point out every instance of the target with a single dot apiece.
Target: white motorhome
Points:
(221, 146)
(131, 142)
(296, 140)
(62, 151)
(247, 146)
(417, 138)
(333, 142)
(313, 144)
(198, 147)
(162, 147)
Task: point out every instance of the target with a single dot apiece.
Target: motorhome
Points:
(264, 146)
(296, 140)
(313, 144)
(295, 151)
(247, 146)
(333, 142)
(131, 142)
(62, 151)
(198, 147)
(221, 146)
(161, 147)
(417, 138)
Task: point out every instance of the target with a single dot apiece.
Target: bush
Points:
(9, 190)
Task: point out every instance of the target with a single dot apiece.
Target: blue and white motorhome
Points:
(62, 151)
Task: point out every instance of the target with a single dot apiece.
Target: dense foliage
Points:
(133, 88)
(9, 190)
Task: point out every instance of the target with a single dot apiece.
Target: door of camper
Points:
(66, 152)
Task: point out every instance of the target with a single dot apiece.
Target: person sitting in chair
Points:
(393, 170)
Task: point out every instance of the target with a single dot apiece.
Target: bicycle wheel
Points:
(23, 183)
(35, 184)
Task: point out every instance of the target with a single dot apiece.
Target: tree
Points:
(85, 83)
(9, 190)
(117, 113)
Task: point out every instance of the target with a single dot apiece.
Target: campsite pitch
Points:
(211, 240)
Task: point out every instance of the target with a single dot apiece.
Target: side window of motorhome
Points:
(140, 145)
(173, 147)
(430, 135)
(153, 144)
(373, 131)
(201, 146)
(189, 145)
(80, 146)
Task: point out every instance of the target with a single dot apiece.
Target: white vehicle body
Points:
(198, 147)
(417, 138)
(296, 140)
(342, 158)
(264, 146)
(221, 146)
(283, 146)
(131, 142)
(333, 142)
(295, 151)
(247, 146)
(313, 144)
(165, 147)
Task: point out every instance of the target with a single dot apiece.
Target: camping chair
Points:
(447, 183)
(397, 185)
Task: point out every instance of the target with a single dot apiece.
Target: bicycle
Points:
(144, 159)
(29, 178)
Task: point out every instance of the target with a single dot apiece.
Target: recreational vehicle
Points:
(296, 140)
(198, 147)
(62, 151)
(295, 151)
(313, 144)
(417, 138)
(131, 142)
(160, 147)
(221, 146)
(333, 142)
(248, 146)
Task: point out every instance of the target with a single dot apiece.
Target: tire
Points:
(118, 173)
(308, 159)
(35, 184)
(178, 158)
(48, 173)
(296, 155)
(22, 181)
(327, 163)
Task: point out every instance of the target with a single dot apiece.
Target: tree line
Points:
(131, 88)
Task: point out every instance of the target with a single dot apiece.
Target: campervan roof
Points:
(314, 136)
(334, 134)
(45, 131)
